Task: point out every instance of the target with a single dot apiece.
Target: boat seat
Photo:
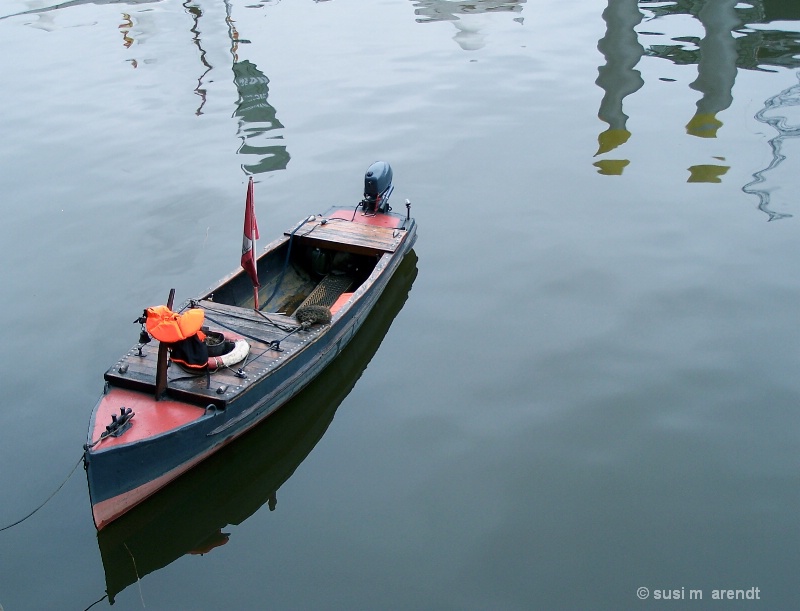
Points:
(330, 288)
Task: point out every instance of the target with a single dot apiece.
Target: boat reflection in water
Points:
(188, 516)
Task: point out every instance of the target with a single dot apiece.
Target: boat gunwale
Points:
(243, 413)
(379, 275)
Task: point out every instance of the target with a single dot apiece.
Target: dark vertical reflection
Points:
(618, 78)
(257, 120)
(756, 49)
(716, 68)
(196, 13)
(778, 121)
(777, 10)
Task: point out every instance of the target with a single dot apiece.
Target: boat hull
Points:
(237, 481)
(123, 471)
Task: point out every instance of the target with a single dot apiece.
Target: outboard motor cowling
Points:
(377, 188)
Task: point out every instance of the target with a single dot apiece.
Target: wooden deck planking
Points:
(337, 234)
(246, 319)
(140, 371)
(353, 237)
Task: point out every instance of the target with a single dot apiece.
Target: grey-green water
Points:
(589, 385)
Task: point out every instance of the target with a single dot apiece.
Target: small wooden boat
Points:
(233, 484)
(276, 323)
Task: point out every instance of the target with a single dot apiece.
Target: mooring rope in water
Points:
(98, 601)
(135, 570)
(48, 498)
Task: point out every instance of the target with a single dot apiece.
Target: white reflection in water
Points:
(469, 18)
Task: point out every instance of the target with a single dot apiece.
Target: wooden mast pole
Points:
(161, 363)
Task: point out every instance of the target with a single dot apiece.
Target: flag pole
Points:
(256, 284)
(250, 235)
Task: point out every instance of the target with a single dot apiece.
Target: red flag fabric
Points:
(250, 237)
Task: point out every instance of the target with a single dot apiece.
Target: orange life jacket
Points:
(170, 327)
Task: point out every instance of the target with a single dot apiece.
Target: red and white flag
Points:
(249, 241)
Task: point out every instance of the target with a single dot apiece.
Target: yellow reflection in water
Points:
(619, 78)
(703, 125)
(611, 139)
(125, 27)
(707, 173)
(611, 167)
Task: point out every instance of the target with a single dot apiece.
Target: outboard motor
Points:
(377, 188)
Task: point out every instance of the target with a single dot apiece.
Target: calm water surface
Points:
(583, 384)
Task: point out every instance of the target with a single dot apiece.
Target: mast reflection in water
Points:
(738, 36)
(188, 517)
(257, 119)
(774, 114)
